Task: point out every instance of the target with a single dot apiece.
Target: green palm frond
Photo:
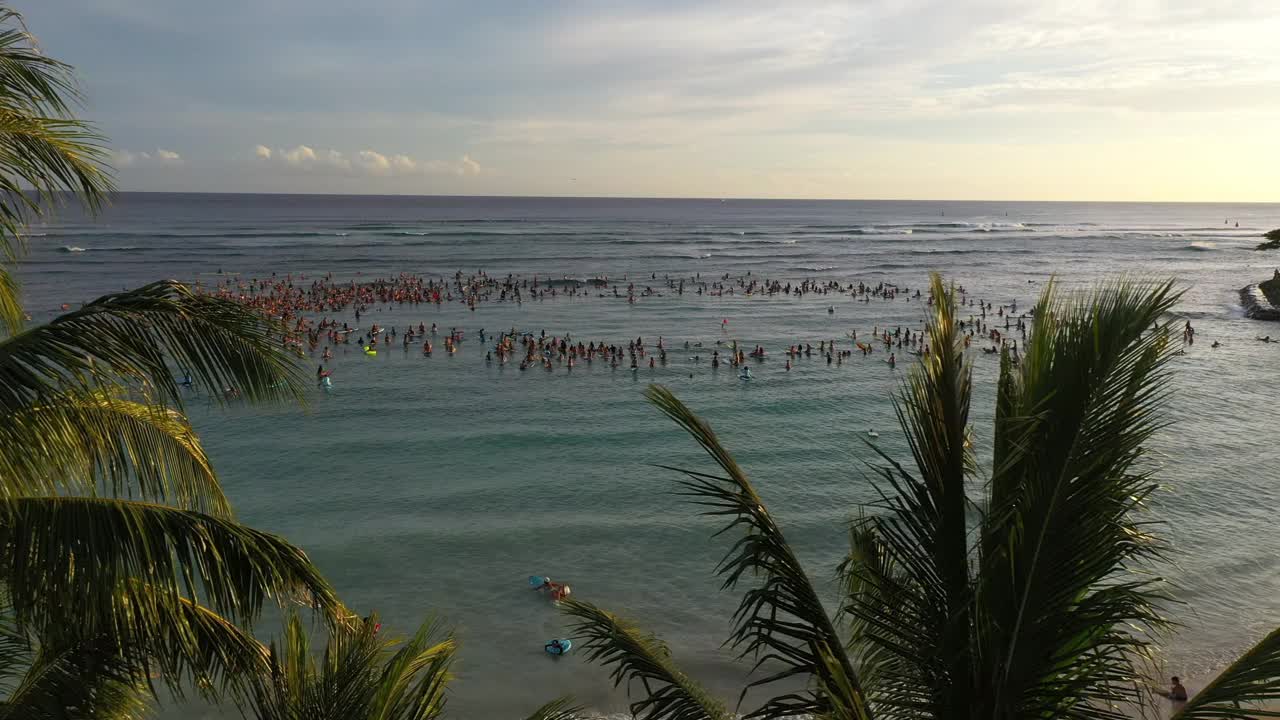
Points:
(179, 642)
(44, 150)
(49, 155)
(562, 708)
(28, 77)
(1061, 535)
(362, 674)
(413, 681)
(102, 442)
(634, 656)
(781, 620)
(882, 607)
(925, 533)
(144, 336)
(68, 674)
(81, 681)
(12, 316)
(1239, 691)
(58, 553)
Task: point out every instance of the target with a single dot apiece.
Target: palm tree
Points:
(363, 675)
(120, 557)
(1032, 600)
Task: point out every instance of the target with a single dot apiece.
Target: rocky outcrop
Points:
(1273, 240)
(1256, 305)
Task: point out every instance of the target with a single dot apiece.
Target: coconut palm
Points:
(363, 675)
(1027, 596)
(120, 557)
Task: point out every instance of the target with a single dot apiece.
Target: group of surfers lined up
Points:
(289, 297)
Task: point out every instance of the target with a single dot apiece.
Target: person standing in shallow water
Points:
(1177, 692)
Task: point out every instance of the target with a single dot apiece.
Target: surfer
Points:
(1177, 692)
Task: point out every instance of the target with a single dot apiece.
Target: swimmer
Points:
(1176, 692)
(1216, 344)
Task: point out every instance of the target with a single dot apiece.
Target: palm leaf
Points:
(925, 533)
(58, 553)
(413, 681)
(1061, 537)
(781, 620)
(85, 680)
(49, 155)
(883, 608)
(179, 642)
(86, 443)
(1252, 679)
(135, 335)
(44, 149)
(362, 675)
(562, 708)
(635, 656)
(12, 315)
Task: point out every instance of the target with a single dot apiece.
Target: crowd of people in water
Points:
(310, 309)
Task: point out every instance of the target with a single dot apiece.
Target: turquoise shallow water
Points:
(439, 484)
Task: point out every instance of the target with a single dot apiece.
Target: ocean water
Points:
(438, 485)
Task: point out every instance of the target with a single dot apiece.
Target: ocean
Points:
(437, 485)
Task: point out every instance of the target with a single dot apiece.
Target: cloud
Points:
(365, 162)
(159, 158)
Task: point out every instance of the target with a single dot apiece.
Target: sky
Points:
(1151, 100)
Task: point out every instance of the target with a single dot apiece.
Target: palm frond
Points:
(634, 656)
(781, 620)
(44, 149)
(49, 155)
(12, 316)
(179, 642)
(413, 681)
(76, 561)
(925, 531)
(562, 708)
(1072, 423)
(363, 675)
(1238, 691)
(85, 680)
(28, 77)
(883, 607)
(144, 336)
(102, 442)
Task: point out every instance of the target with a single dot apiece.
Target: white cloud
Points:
(364, 162)
(373, 162)
(158, 158)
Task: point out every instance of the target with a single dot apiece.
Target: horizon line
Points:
(698, 199)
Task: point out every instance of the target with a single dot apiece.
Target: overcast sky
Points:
(1000, 99)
